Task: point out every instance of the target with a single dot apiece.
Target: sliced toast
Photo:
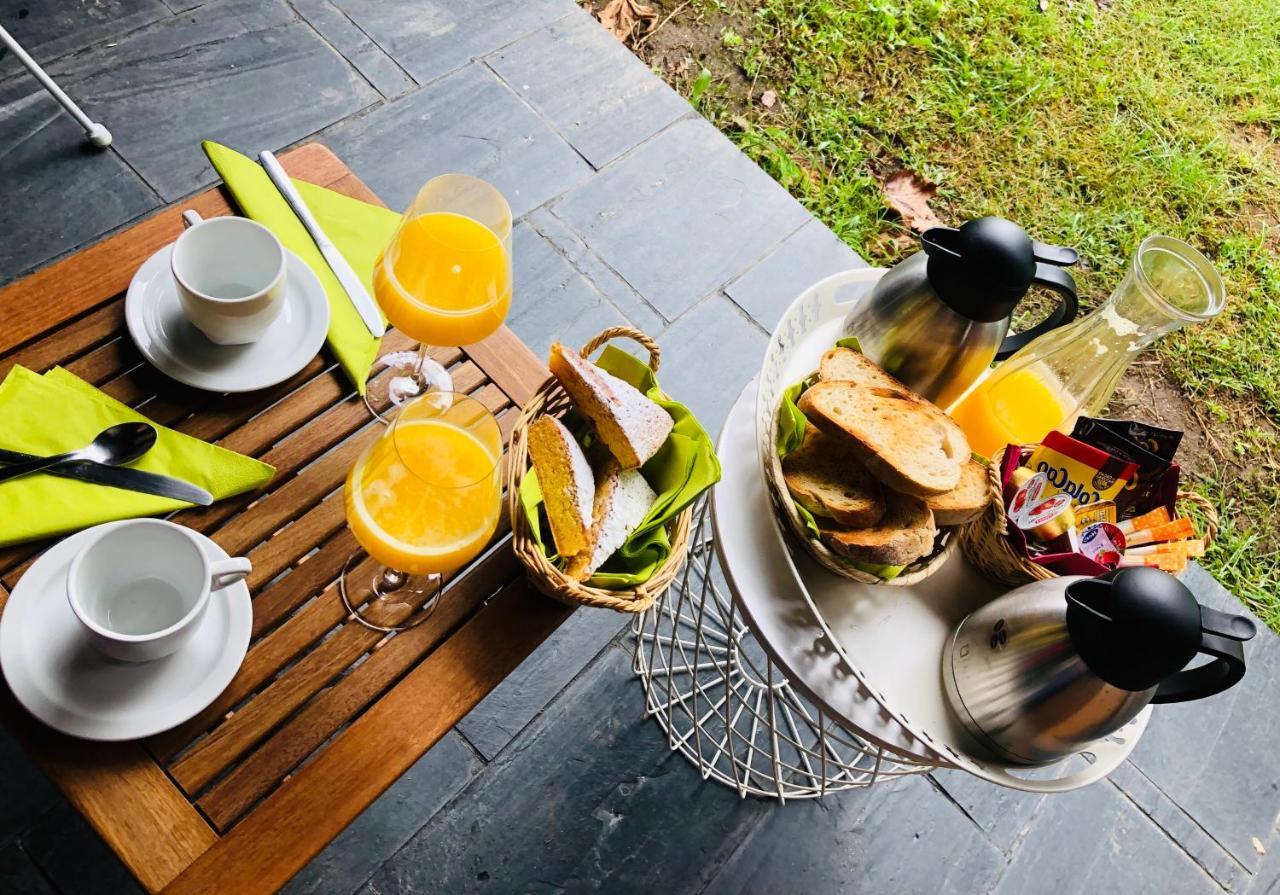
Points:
(903, 535)
(966, 501)
(847, 365)
(567, 483)
(630, 425)
(827, 479)
(622, 500)
(906, 442)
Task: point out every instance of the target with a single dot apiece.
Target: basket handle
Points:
(614, 332)
(1207, 510)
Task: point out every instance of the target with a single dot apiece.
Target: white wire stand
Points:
(98, 135)
(728, 709)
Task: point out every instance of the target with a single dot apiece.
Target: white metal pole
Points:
(98, 135)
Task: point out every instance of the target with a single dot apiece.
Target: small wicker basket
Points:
(785, 506)
(986, 546)
(551, 399)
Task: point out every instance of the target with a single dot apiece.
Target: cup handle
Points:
(225, 572)
(191, 217)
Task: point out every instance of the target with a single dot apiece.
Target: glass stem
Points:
(419, 369)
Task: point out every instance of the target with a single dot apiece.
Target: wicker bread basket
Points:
(551, 399)
(785, 506)
(985, 544)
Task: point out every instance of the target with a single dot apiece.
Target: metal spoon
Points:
(113, 447)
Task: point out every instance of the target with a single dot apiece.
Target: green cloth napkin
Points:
(683, 468)
(358, 229)
(791, 426)
(57, 412)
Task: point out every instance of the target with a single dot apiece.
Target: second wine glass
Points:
(444, 280)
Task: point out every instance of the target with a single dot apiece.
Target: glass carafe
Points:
(1072, 371)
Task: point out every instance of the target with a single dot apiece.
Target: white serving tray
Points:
(869, 656)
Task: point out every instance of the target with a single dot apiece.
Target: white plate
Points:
(870, 656)
(58, 676)
(176, 348)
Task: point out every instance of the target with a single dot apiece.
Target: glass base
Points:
(387, 600)
(398, 378)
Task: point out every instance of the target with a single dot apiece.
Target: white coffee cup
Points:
(230, 274)
(142, 587)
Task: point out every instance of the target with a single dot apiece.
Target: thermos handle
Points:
(1196, 683)
(1060, 282)
(1221, 635)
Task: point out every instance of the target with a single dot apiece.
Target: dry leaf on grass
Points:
(890, 245)
(768, 98)
(908, 194)
(623, 17)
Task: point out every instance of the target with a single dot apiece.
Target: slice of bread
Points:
(847, 365)
(904, 441)
(630, 425)
(966, 501)
(905, 534)
(567, 483)
(828, 480)
(623, 497)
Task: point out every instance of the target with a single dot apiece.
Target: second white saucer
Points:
(55, 672)
(176, 348)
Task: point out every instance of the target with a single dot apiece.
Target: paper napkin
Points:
(358, 229)
(58, 412)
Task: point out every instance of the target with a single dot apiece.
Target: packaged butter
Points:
(1102, 511)
(1084, 472)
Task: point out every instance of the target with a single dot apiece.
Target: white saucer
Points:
(168, 340)
(58, 676)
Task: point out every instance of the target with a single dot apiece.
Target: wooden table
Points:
(307, 735)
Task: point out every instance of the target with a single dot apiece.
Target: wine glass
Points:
(422, 501)
(444, 279)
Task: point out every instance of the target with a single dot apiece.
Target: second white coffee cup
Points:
(230, 274)
(142, 587)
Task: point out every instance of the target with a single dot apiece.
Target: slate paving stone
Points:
(433, 37)
(902, 836)
(18, 876)
(24, 791)
(501, 715)
(1094, 840)
(470, 123)
(386, 76)
(601, 98)
(49, 172)
(708, 355)
(247, 73)
(1179, 826)
(810, 254)
(390, 821)
(589, 798)
(551, 300)
(67, 850)
(1002, 813)
(1216, 757)
(606, 280)
(47, 29)
(682, 214)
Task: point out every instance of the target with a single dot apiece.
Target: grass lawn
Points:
(1092, 124)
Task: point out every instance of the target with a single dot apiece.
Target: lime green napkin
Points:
(684, 467)
(358, 229)
(58, 412)
(790, 435)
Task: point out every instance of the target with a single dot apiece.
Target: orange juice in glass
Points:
(444, 280)
(422, 501)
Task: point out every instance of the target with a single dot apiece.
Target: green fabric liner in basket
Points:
(684, 467)
(791, 426)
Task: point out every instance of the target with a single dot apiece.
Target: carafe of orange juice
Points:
(1072, 371)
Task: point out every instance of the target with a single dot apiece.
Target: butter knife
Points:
(120, 477)
(350, 281)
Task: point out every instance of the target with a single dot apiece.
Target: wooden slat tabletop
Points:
(325, 713)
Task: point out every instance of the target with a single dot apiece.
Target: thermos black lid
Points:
(983, 269)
